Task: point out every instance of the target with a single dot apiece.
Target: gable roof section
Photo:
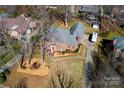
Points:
(66, 36)
(20, 21)
(8, 22)
(77, 29)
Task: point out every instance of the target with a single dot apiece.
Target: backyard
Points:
(73, 65)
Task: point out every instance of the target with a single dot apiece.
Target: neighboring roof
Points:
(66, 36)
(89, 8)
(32, 24)
(121, 15)
(4, 15)
(23, 23)
(20, 21)
(8, 22)
(119, 42)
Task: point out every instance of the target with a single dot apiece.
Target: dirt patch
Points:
(32, 80)
(34, 68)
(72, 66)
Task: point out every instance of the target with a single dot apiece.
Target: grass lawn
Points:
(16, 47)
(73, 65)
(6, 57)
(71, 22)
(36, 53)
(82, 51)
(109, 35)
(73, 68)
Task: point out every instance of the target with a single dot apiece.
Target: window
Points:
(52, 48)
(68, 46)
(77, 38)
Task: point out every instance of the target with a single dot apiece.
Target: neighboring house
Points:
(88, 8)
(118, 43)
(60, 39)
(16, 35)
(89, 13)
(18, 26)
(116, 9)
(120, 20)
(118, 14)
(3, 15)
(51, 6)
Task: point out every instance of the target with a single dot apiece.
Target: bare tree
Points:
(2, 39)
(61, 79)
(22, 83)
(41, 13)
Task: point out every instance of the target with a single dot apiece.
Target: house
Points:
(3, 15)
(60, 39)
(118, 43)
(18, 26)
(116, 9)
(120, 20)
(118, 14)
(88, 8)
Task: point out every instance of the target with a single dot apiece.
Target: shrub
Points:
(2, 78)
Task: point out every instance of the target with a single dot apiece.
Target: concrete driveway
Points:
(89, 60)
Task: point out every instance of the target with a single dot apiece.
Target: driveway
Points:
(89, 60)
(89, 46)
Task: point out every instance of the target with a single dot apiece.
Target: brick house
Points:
(60, 39)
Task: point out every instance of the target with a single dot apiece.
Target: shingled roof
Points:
(20, 21)
(66, 36)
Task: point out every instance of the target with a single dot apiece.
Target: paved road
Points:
(111, 80)
(89, 47)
